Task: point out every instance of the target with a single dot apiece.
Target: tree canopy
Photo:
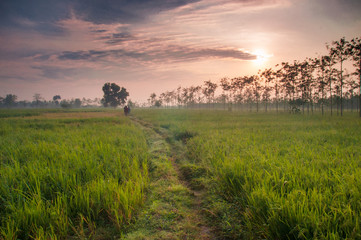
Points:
(114, 95)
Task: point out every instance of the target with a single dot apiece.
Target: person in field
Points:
(126, 110)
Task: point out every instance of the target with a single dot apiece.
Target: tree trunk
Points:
(359, 106)
(331, 95)
(341, 89)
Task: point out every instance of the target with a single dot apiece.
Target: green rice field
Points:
(63, 175)
(280, 176)
(86, 174)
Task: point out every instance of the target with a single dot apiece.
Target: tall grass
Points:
(69, 177)
(286, 176)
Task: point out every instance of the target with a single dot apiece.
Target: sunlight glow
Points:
(262, 56)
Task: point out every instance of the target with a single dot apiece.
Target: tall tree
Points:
(306, 69)
(289, 81)
(209, 90)
(179, 96)
(277, 86)
(152, 99)
(321, 64)
(256, 87)
(226, 87)
(341, 52)
(114, 95)
(355, 51)
(352, 85)
(268, 75)
(330, 75)
(237, 88)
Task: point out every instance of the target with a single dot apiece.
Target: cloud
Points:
(51, 72)
(337, 10)
(43, 14)
(124, 11)
(166, 54)
(116, 38)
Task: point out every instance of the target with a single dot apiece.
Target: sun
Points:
(261, 56)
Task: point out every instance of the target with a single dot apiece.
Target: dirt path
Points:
(173, 208)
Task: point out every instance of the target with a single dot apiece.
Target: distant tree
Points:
(65, 104)
(352, 86)
(227, 87)
(179, 96)
(238, 84)
(10, 100)
(97, 101)
(173, 96)
(193, 94)
(321, 64)
(152, 99)
(209, 90)
(37, 98)
(268, 75)
(77, 103)
(185, 96)
(306, 82)
(277, 87)
(114, 95)
(330, 76)
(158, 103)
(197, 91)
(166, 97)
(254, 79)
(341, 52)
(56, 99)
(354, 48)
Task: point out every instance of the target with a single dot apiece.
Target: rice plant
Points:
(284, 176)
(70, 177)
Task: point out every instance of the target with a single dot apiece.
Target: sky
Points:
(72, 47)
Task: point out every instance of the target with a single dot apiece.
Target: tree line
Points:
(113, 97)
(11, 101)
(321, 83)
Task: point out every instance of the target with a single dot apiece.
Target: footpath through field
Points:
(172, 209)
